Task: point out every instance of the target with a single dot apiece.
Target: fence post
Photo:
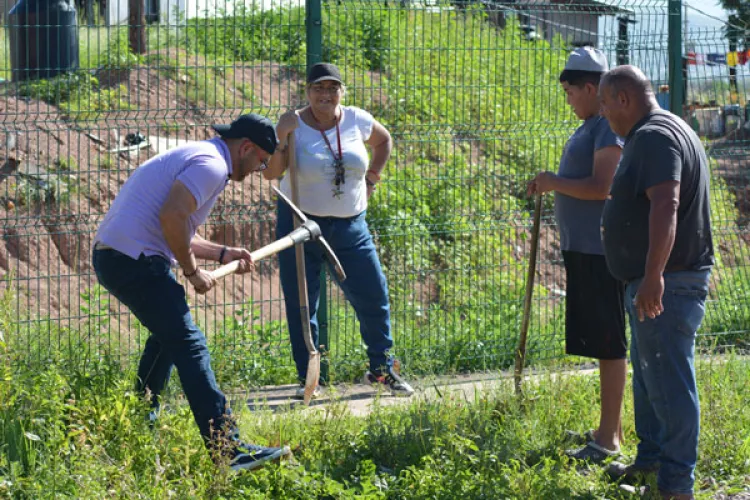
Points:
(676, 79)
(314, 41)
(314, 31)
(623, 42)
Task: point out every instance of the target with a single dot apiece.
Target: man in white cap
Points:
(594, 309)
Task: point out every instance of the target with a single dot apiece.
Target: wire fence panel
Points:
(74, 136)
(470, 93)
(717, 106)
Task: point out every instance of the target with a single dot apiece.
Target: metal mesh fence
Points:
(469, 92)
(717, 106)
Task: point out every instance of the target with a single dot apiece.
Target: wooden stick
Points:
(521, 352)
(313, 364)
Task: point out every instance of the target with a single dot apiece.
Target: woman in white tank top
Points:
(336, 177)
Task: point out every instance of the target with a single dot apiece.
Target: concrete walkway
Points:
(361, 398)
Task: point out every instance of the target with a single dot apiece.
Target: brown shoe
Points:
(676, 496)
(618, 471)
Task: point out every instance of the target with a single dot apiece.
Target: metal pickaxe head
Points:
(311, 228)
(308, 231)
(299, 213)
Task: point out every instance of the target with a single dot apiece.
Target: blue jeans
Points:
(665, 394)
(150, 290)
(365, 286)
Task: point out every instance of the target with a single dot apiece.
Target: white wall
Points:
(173, 10)
(117, 12)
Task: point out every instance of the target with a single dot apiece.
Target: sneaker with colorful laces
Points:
(390, 381)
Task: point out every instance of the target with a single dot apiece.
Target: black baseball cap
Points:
(255, 128)
(323, 71)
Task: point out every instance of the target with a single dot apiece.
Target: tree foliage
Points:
(738, 25)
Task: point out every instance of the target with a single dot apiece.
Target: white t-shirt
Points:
(315, 166)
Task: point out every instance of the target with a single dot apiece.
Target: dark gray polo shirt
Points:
(661, 147)
(579, 221)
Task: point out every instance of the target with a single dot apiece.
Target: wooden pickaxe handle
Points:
(309, 230)
(261, 253)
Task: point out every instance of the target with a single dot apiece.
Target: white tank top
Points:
(316, 172)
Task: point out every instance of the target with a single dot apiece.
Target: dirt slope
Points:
(45, 244)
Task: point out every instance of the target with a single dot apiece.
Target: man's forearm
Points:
(177, 234)
(205, 249)
(662, 226)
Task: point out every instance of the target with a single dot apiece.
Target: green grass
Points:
(69, 433)
(198, 85)
(71, 427)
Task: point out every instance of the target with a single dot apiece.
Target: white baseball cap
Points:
(587, 59)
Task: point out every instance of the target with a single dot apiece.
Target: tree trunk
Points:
(137, 26)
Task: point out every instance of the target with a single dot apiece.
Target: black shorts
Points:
(594, 308)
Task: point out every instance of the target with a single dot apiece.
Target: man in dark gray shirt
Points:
(657, 239)
(594, 311)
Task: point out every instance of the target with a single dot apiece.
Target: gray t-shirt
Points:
(660, 148)
(579, 220)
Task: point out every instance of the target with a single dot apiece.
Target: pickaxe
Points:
(307, 231)
(521, 351)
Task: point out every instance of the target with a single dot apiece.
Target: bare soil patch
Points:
(45, 245)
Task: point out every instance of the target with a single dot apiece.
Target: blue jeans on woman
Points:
(148, 287)
(365, 285)
(665, 394)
